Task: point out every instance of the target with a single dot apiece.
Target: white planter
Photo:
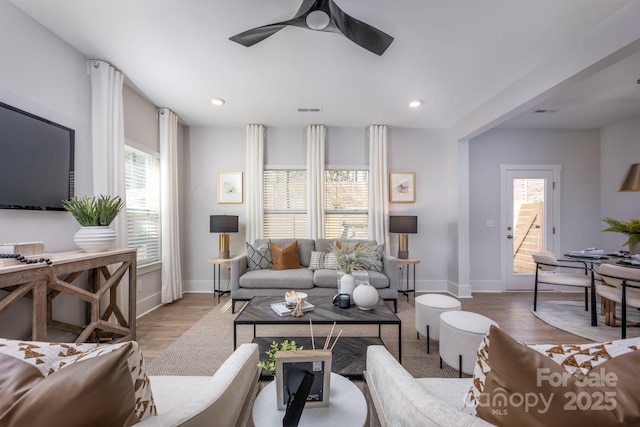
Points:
(365, 296)
(347, 285)
(95, 238)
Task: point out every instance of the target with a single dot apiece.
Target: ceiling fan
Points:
(323, 15)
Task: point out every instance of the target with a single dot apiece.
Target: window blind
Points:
(285, 203)
(346, 195)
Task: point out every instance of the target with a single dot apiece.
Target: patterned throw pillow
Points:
(323, 260)
(47, 368)
(259, 258)
(578, 360)
(379, 252)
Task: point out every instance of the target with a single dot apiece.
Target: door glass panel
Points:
(528, 221)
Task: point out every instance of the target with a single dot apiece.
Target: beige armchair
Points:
(620, 285)
(551, 271)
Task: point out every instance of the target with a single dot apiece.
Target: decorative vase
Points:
(95, 238)
(347, 285)
(365, 296)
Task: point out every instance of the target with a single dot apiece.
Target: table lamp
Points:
(223, 224)
(631, 179)
(403, 225)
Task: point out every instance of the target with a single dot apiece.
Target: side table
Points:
(217, 262)
(347, 407)
(408, 263)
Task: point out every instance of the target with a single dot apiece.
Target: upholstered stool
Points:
(428, 309)
(461, 333)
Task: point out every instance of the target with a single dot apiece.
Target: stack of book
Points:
(282, 309)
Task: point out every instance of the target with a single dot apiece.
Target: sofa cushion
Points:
(305, 247)
(72, 384)
(588, 384)
(323, 260)
(301, 278)
(259, 258)
(285, 258)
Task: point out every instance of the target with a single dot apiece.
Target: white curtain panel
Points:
(253, 182)
(378, 185)
(171, 273)
(107, 145)
(316, 136)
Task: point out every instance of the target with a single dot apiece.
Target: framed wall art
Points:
(402, 187)
(229, 187)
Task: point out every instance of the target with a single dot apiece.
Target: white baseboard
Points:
(200, 286)
(488, 286)
(148, 304)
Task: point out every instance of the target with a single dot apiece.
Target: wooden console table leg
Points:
(39, 327)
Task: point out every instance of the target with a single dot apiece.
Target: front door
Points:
(529, 218)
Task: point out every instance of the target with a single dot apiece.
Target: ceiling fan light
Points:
(218, 101)
(415, 103)
(317, 20)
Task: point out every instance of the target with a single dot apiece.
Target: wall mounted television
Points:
(36, 161)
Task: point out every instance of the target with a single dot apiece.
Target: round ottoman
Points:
(461, 333)
(428, 310)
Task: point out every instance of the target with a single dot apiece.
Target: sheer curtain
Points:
(107, 145)
(253, 182)
(378, 185)
(171, 273)
(316, 135)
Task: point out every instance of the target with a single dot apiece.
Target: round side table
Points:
(347, 407)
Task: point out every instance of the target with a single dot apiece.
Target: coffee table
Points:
(347, 407)
(349, 354)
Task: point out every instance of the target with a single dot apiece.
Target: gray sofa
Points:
(246, 284)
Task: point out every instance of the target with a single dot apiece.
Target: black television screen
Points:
(36, 161)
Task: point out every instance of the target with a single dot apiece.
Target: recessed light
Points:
(415, 103)
(217, 101)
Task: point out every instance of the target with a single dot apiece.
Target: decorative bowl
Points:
(290, 297)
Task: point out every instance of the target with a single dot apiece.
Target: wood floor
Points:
(160, 328)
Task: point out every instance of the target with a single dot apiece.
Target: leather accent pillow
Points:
(285, 258)
(527, 388)
(323, 260)
(259, 258)
(63, 376)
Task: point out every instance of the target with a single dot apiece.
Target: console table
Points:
(217, 262)
(43, 283)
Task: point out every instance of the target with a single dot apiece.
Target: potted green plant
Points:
(270, 364)
(631, 228)
(95, 216)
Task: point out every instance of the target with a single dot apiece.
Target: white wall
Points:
(579, 154)
(212, 150)
(620, 147)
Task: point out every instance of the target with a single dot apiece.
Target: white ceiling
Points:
(453, 54)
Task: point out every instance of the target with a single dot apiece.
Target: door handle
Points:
(509, 236)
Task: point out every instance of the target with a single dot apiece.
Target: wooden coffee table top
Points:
(258, 311)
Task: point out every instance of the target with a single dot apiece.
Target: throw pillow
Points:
(323, 260)
(285, 258)
(379, 252)
(259, 258)
(73, 384)
(526, 387)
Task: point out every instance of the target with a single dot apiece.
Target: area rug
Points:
(570, 316)
(205, 346)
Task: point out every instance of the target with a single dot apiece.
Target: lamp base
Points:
(403, 246)
(223, 246)
(403, 254)
(223, 255)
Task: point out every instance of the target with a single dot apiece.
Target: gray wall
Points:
(212, 150)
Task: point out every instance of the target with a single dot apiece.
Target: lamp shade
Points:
(403, 224)
(223, 223)
(631, 179)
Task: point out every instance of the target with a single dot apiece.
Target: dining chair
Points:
(548, 271)
(621, 285)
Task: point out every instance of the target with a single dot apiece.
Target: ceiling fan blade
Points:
(255, 35)
(363, 34)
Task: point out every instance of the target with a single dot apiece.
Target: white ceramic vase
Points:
(365, 296)
(347, 285)
(95, 238)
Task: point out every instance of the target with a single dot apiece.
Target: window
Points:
(285, 203)
(142, 182)
(346, 195)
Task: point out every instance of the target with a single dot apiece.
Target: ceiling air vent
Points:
(309, 110)
(543, 111)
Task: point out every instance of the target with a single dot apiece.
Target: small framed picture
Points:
(294, 367)
(402, 187)
(229, 187)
